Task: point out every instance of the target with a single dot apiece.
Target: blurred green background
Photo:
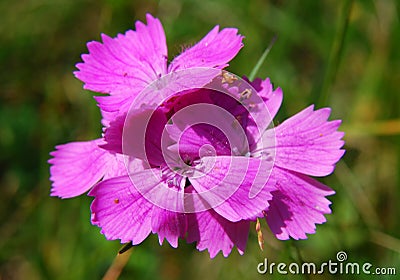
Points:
(341, 54)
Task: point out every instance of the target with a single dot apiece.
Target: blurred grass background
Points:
(341, 54)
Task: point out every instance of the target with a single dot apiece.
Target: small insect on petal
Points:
(116, 201)
(246, 94)
(227, 77)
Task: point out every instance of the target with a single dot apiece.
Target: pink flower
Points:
(188, 151)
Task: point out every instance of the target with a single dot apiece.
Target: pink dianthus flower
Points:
(189, 150)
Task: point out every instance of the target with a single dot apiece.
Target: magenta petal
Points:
(308, 143)
(237, 188)
(113, 135)
(297, 205)
(194, 137)
(213, 232)
(124, 66)
(168, 225)
(123, 204)
(127, 63)
(272, 98)
(121, 211)
(137, 135)
(202, 125)
(77, 166)
(216, 49)
(111, 106)
(160, 189)
(120, 164)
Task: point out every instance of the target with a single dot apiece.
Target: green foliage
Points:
(341, 54)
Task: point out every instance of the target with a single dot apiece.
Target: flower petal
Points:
(252, 104)
(308, 143)
(192, 139)
(169, 225)
(237, 188)
(77, 166)
(137, 135)
(272, 98)
(297, 205)
(112, 106)
(216, 49)
(127, 63)
(213, 232)
(120, 165)
(121, 211)
(203, 124)
(124, 66)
